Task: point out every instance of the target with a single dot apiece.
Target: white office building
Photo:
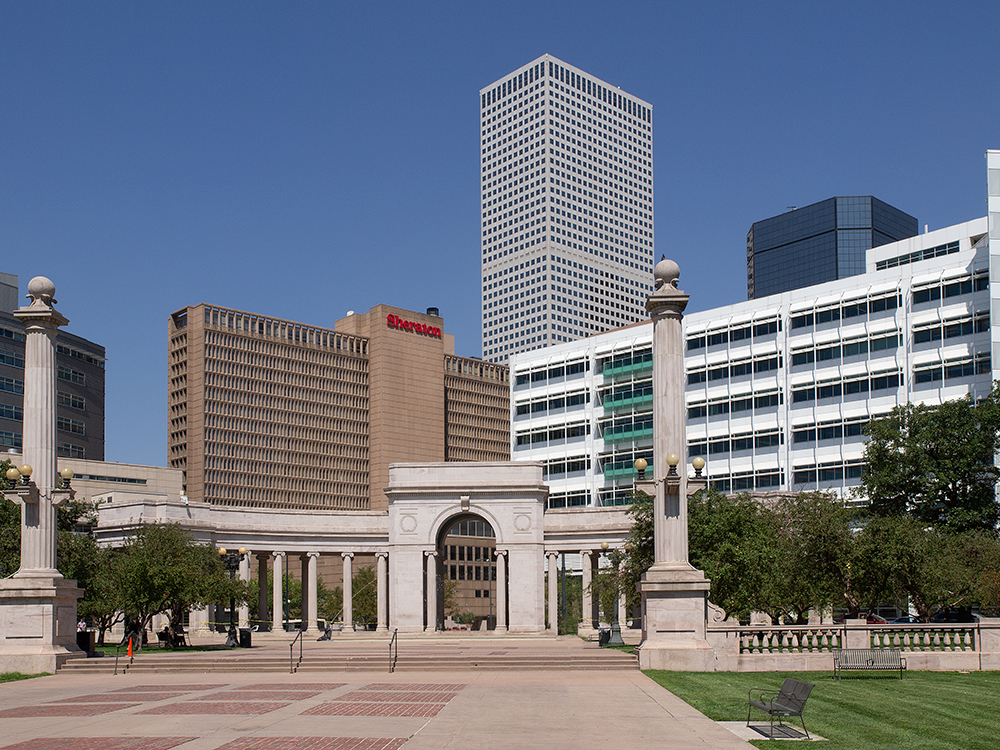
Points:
(567, 207)
(778, 388)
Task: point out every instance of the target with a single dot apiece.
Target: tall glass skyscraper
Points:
(567, 207)
(822, 242)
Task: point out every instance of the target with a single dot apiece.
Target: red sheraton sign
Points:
(394, 321)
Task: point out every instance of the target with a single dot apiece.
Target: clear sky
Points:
(304, 159)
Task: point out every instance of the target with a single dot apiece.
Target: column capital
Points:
(382, 554)
(346, 555)
(430, 553)
(551, 553)
(587, 552)
(277, 554)
(313, 554)
(500, 552)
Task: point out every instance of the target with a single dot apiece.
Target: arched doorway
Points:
(467, 574)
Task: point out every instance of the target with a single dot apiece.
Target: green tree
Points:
(936, 463)
(365, 597)
(161, 569)
(733, 539)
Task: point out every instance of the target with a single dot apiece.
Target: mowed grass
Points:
(863, 710)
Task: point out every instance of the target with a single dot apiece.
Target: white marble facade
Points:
(425, 500)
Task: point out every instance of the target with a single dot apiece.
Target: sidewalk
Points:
(360, 711)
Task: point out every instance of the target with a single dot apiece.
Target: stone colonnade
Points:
(590, 605)
(282, 561)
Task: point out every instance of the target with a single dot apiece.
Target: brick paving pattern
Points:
(315, 743)
(66, 709)
(208, 707)
(349, 708)
(171, 688)
(397, 697)
(121, 697)
(294, 686)
(446, 687)
(263, 695)
(100, 743)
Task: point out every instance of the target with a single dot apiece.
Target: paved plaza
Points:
(361, 711)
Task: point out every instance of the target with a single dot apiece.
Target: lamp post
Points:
(232, 562)
(616, 631)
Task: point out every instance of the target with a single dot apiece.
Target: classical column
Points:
(553, 592)
(382, 577)
(313, 608)
(38, 518)
(501, 591)
(622, 614)
(243, 613)
(587, 569)
(431, 559)
(348, 590)
(37, 605)
(278, 597)
(674, 594)
(306, 593)
(262, 614)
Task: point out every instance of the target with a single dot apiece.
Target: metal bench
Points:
(789, 701)
(868, 659)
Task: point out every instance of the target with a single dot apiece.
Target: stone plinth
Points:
(37, 623)
(674, 603)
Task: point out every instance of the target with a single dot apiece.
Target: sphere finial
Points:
(666, 272)
(41, 291)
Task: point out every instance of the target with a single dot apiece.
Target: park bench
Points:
(789, 701)
(868, 659)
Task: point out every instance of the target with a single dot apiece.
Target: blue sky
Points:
(305, 159)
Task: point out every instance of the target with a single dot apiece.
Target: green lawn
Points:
(15, 676)
(926, 710)
(108, 649)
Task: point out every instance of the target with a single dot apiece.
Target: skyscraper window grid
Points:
(567, 207)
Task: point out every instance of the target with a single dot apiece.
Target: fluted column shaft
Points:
(348, 590)
(38, 519)
(553, 592)
(587, 568)
(431, 558)
(382, 573)
(501, 591)
(243, 612)
(278, 596)
(313, 608)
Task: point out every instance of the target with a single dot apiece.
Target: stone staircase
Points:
(413, 656)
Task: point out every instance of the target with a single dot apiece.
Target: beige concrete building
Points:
(270, 413)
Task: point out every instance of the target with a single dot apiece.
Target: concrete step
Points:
(443, 660)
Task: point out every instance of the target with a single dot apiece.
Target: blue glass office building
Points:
(822, 242)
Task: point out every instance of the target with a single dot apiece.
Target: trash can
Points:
(244, 637)
(604, 637)
(85, 639)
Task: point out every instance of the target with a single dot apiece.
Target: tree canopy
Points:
(935, 463)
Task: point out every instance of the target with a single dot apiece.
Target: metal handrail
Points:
(131, 658)
(393, 655)
(292, 666)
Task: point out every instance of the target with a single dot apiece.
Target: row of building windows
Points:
(70, 375)
(11, 385)
(556, 374)
(846, 311)
(71, 425)
(917, 255)
(83, 356)
(829, 472)
(966, 326)
(979, 364)
(847, 387)
(471, 573)
(555, 404)
(8, 411)
(734, 370)
(559, 434)
(12, 359)
(748, 481)
(7, 333)
(978, 283)
(741, 333)
(759, 401)
(71, 400)
(846, 349)
(759, 440)
(560, 467)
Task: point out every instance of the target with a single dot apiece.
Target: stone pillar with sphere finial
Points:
(37, 605)
(674, 594)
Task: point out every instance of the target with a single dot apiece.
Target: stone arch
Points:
(466, 571)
